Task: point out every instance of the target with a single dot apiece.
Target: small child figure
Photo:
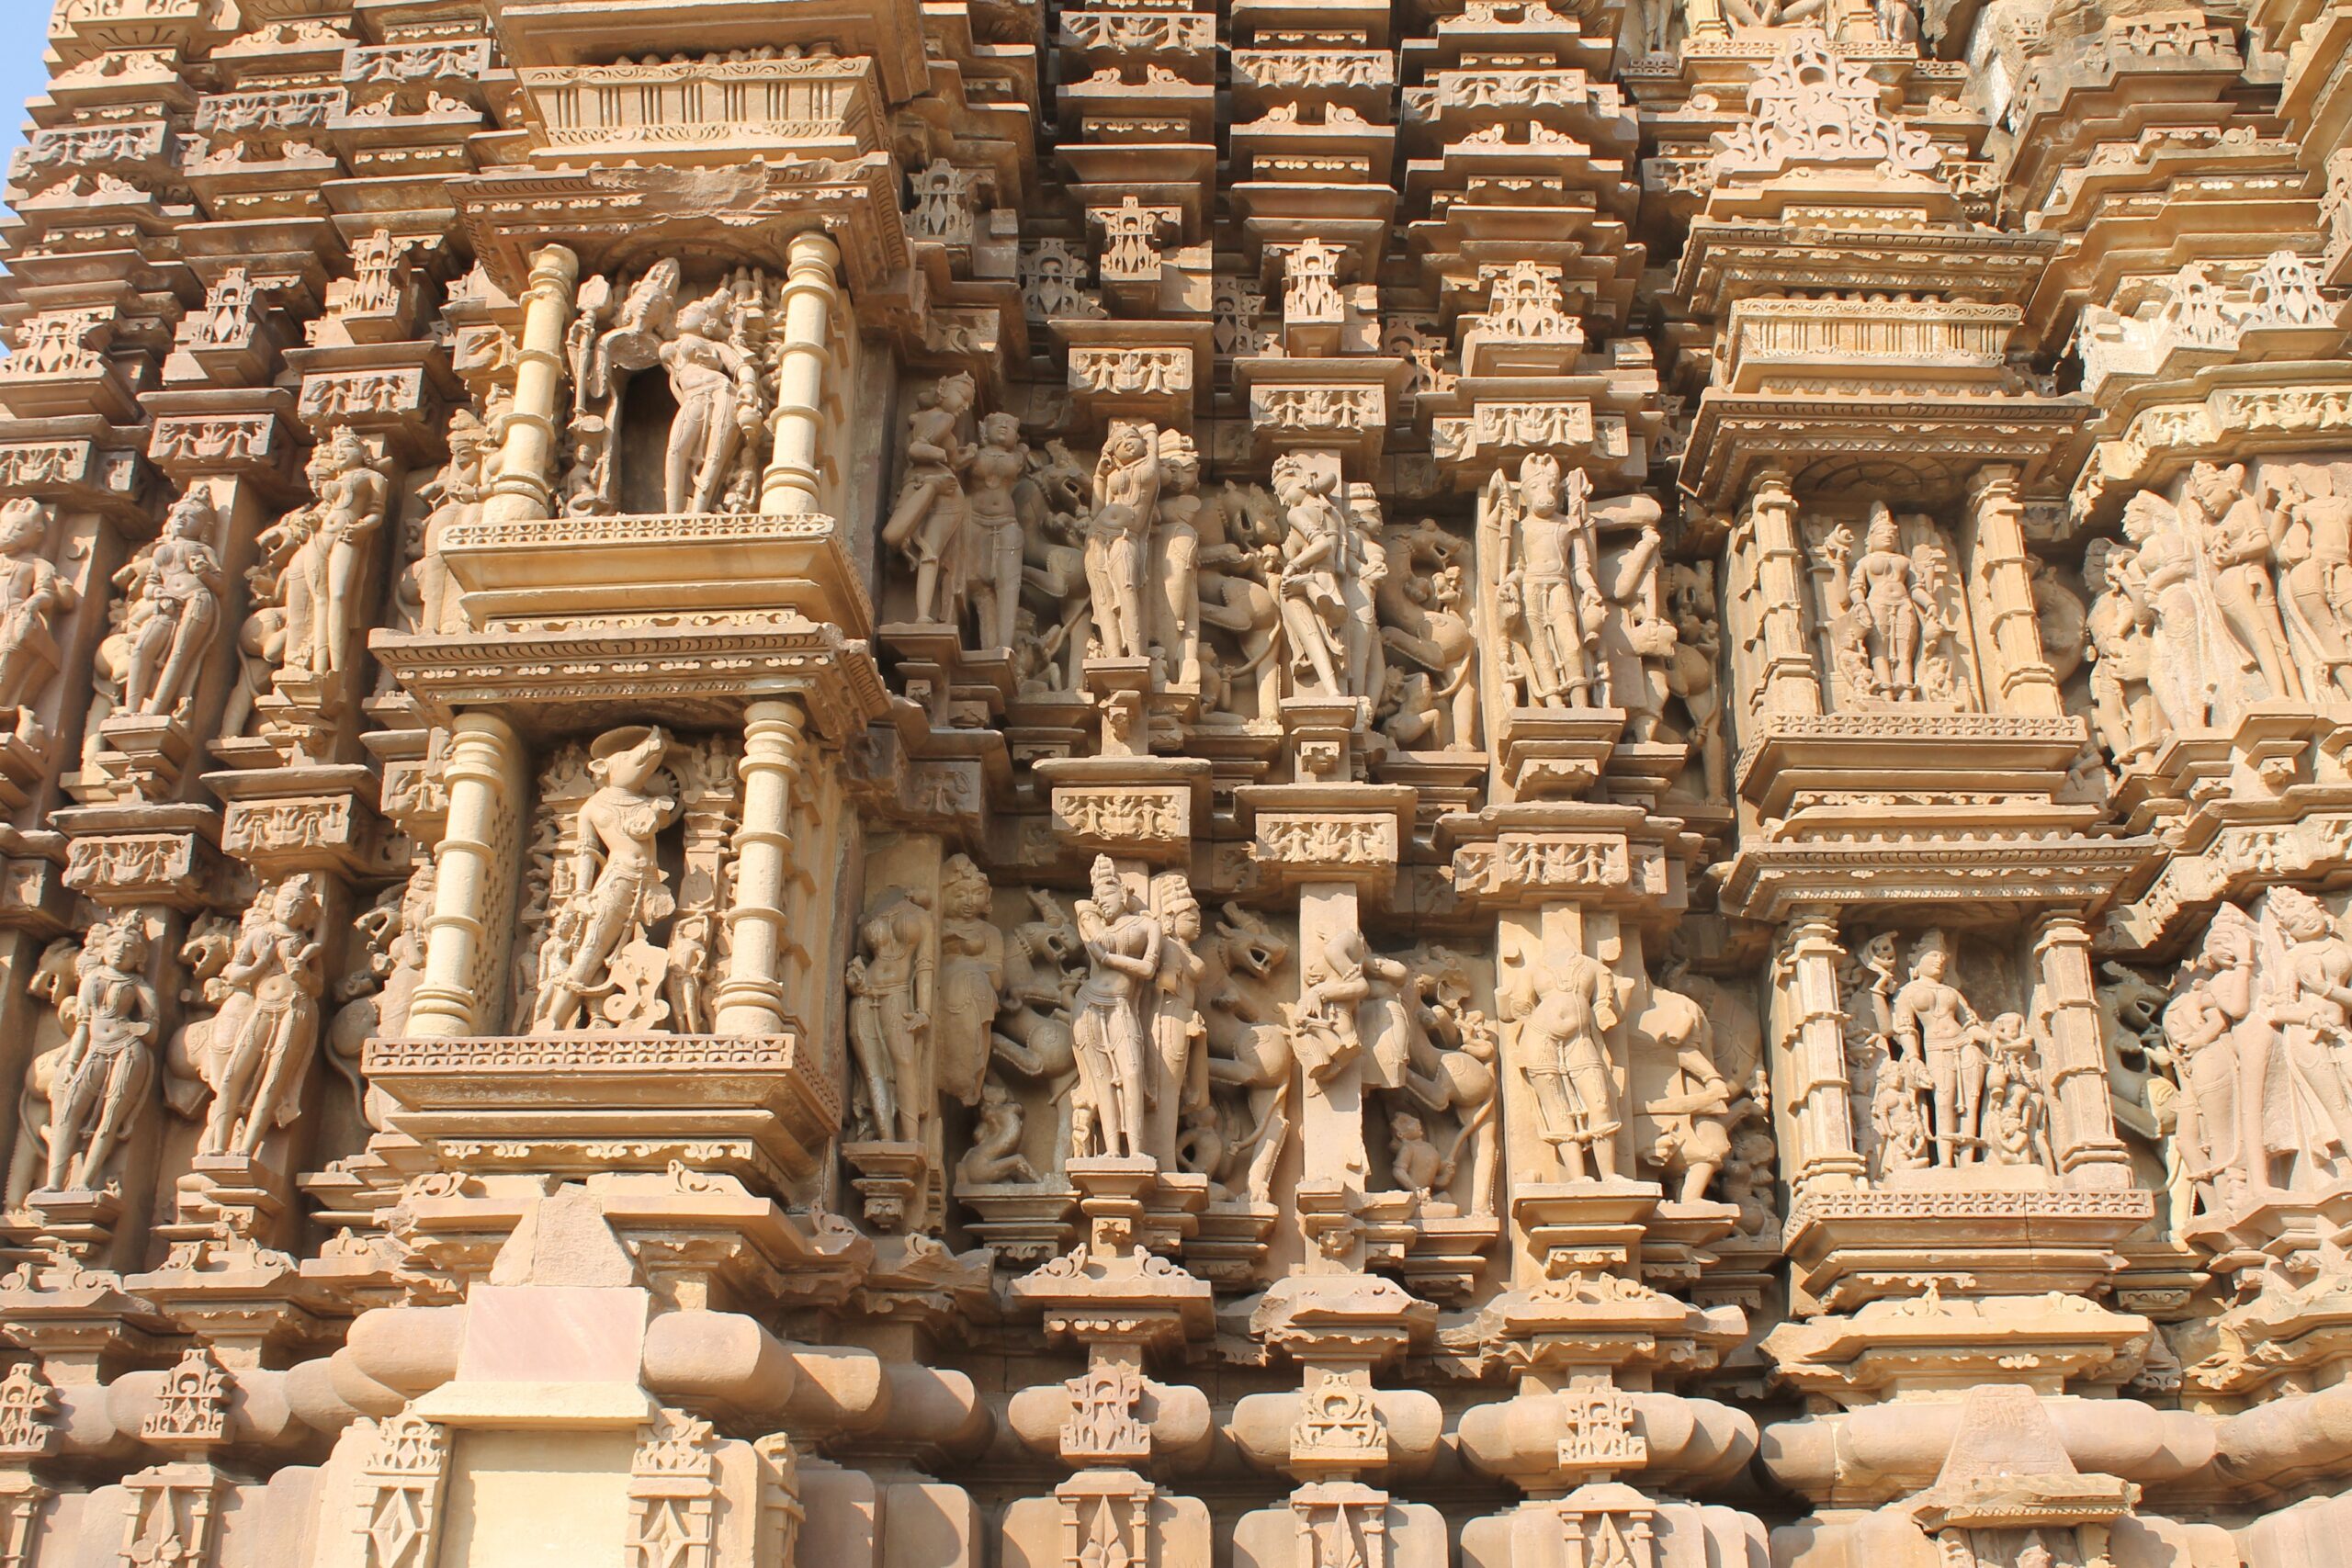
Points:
(1418, 1167)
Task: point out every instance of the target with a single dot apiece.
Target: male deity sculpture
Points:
(101, 1083)
(33, 594)
(1898, 616)
(1565, 1011)
(707, 350)
(1933, 1024)
(176, 591)
(1552, 590)
(618, 890)
(455, 495)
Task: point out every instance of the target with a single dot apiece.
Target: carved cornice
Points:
(701, 672)
(613, 217)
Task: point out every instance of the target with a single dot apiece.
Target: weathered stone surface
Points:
(1303, 785)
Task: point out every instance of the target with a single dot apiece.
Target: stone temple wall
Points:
(1178, 783)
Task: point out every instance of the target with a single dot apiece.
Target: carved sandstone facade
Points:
(1308, 783)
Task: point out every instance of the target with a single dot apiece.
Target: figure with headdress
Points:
(926, 524)
(176, 591)
(101, 1083)
(1314, 555)
(1118, 538)
(618, 889)
(1934, 1024)
(999, 464)
(1897, 616)
(1122, 943)
(2305, 1103)
(1175, 634)
(1180, 1061)
(1555, 582)
(890, 992)
(718, 390)
(257, 1070)
(317, 549)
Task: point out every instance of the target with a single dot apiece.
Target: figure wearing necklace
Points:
(102, 1075)
(322, 569)
(718, 390)
(259, 1084)
(1314, 554)
(617, 882)
(1122, 957)
(999, 464)
(928, 520)
(1118, 536)
(890, 988)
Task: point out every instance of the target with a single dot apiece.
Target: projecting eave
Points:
(1874, 441)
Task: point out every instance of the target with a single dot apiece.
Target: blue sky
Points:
(24, 33)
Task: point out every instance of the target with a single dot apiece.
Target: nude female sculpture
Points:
(1180, 1060)
(999, 464)
(890, 1013)
(182, 584)
(101, 1083)
(718, 390)
(1127, 499)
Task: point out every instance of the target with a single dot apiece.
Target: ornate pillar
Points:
(1792, 681)
(792, 481)
(2082, 1130)
(751, 998)
(2002, 576)
(525, 488)
(1809, 1058)
(473, 889)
